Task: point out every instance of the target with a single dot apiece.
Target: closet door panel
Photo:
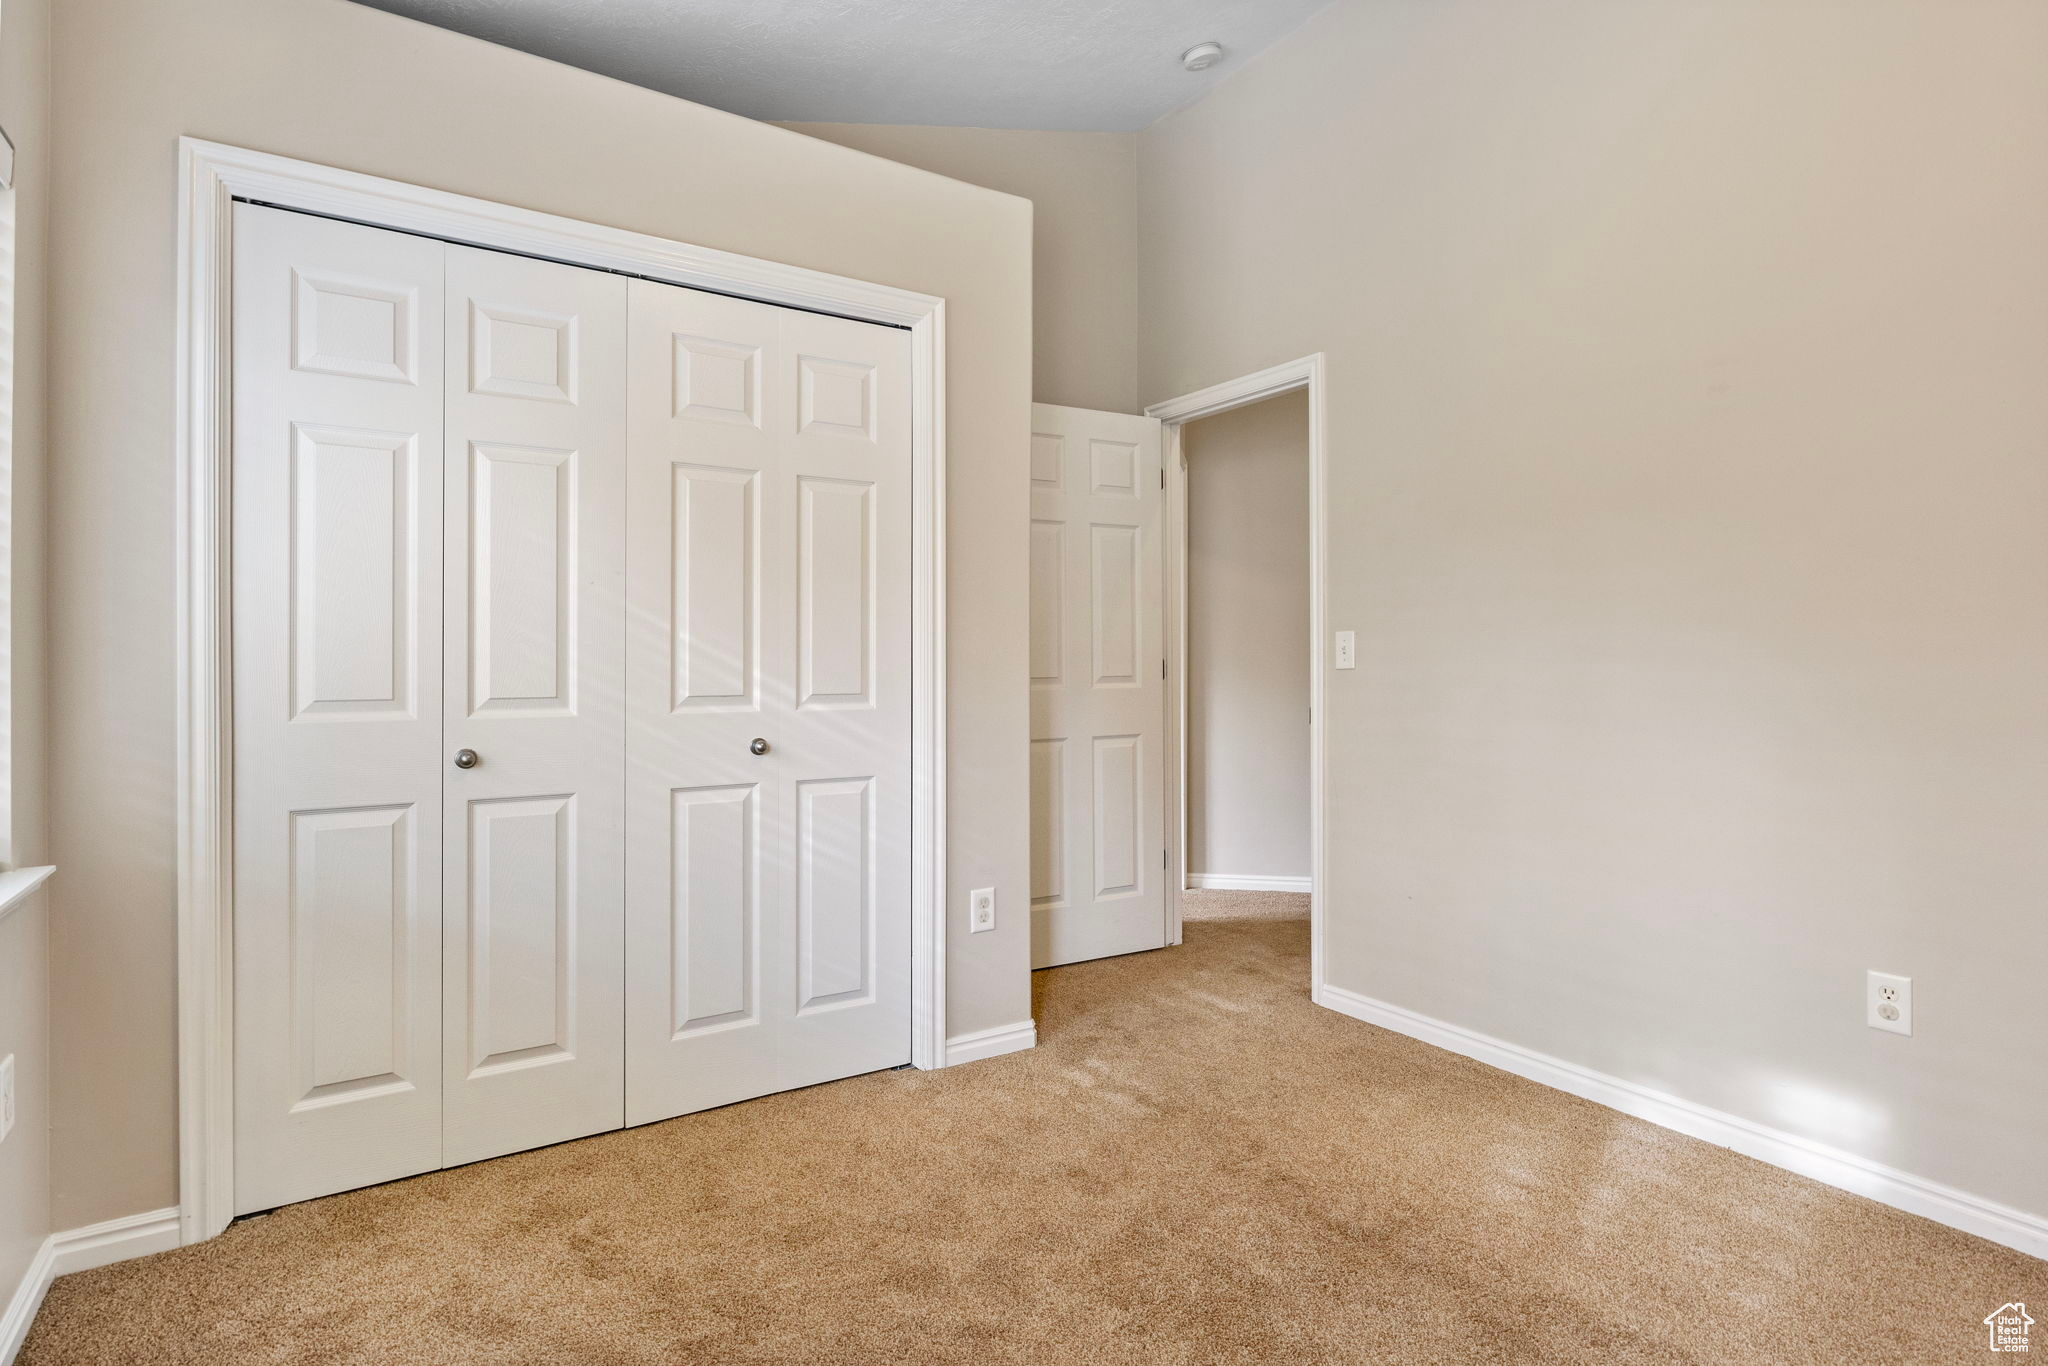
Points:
(337, 658)
(706, 651)
(845, 741)
(532, 998)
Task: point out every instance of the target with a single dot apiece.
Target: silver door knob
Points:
(759, 746)
(466, 758)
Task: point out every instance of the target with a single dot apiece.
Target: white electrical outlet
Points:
(1889, 1002)
(981, 910)
(1347, 650)
(6, 1095)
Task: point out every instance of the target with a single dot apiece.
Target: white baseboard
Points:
(81, 1249)
(2014, 1228)
(1248, 882)
(27, 1298)
(992, 1043)
(116, 1240)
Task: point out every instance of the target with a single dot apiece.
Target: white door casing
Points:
(338, 640)
(770, 503)
(215, 181)
(1174, 414)
(533, 834)
(1098, 835)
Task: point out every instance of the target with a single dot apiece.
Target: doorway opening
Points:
(1245, 551)
(1244, 578)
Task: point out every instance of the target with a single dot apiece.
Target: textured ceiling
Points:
(1063, 64)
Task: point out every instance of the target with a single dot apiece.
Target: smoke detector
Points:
(1202, 56)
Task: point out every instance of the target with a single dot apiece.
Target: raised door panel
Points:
(522, 353)
(835, 881)
(1048, 824)
(714, 921)
(1048, 459)
(715, 381)
(336, 623)
(1115, 612)
(355, 572)
(1113, 467)
(534, 440)
(353, 989)
(357, 326)
(523, 578)
(522, 942)
(716, 587)
(835, 593)
(1119, 861)
(1048, 602)
(836, 397)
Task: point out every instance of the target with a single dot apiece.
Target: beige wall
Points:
(24, 957)
(1084, 188)
(1248, 661)
(337, 83)
(1687, 489)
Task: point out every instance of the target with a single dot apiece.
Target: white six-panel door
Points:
(767, 893)
(1098, 831)
(454, 535)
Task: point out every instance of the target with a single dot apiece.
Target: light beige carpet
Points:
(1196, 1165)
(1196, 905)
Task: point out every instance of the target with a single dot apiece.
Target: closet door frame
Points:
(212, 177)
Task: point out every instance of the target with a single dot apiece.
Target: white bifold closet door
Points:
(1098, 696)
(504, 636)
(769, 696)
(429, 492)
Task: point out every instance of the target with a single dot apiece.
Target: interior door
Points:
(768, 700)
(1098, 722)
(337, 706)
(532, 763)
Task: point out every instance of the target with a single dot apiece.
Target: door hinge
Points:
(1162, 476)
(1162, 860)
(1162, 669)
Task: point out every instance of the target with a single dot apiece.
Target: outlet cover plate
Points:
(1888, 1002)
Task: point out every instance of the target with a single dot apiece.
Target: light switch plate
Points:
(6, 1095)
(1347, 650)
